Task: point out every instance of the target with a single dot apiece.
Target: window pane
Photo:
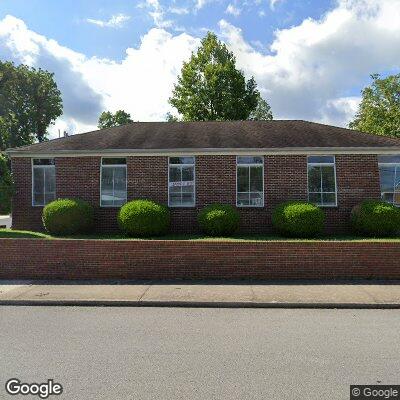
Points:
(38, 199)
(113, 186)
(181, 181)
(389, 159)
(105, 201)
(387, 178)
(256, 179)
(249, 160)
(187, 188)
(50, 179)
(49, 197)
(174, 174)
(113, 161)
(328, 199)
(314, 179)
(315, 198)
(38, 180)
(187, 199)
(328, 179)
(43, 161)
(119, 185)
(38, 186)
(256, 199)
(397, 179)
(106, 186)
(174, 199)
(387, 197)
(243, 199)
(181, 160)
(321, 159)
(243, 183)
(188, 174)
(175, 189)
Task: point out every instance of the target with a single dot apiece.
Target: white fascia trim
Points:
(209, 151)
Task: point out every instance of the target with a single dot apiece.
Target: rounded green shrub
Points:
(67, 216)
(219, 220)
(298, 219)
(375, 218)
(144, 218)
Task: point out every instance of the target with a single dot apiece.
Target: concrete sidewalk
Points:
(290, 295)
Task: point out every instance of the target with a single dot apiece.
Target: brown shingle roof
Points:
(213, 135)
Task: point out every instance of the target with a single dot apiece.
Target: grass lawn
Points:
(8, 233)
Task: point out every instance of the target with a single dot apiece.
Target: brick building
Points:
(252, 165)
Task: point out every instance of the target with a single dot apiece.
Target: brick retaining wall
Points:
(149, 259)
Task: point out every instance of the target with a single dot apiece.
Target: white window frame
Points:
(194, 181)
(397, 168)
(101, 180)
(33, 167)
(263, 179)
(334, 171)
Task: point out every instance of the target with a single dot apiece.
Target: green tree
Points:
(211, 88)
(379, 110)
(262, 112)
(107, 119)
(6, 187)
(29, 102)
(171, 118)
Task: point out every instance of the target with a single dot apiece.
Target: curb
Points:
(194, 304)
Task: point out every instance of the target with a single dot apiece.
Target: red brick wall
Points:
(285, 178)
(149, 259)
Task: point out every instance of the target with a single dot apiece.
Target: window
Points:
(389, 171)
(181, 182)
(113, 182)
(322, 180)
(250, 181)
(43, 181)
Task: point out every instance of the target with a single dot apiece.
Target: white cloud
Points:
(116, 21)
(157, 13)
(201, 3)
(231, 9)
(178, 10)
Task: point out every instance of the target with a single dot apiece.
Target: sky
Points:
(310, 58)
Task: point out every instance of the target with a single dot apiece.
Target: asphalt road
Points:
(176, 353)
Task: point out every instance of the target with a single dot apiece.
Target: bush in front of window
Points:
(375, 218)
(67, 216)
(219, 220)
(144, 218)
(298, 219)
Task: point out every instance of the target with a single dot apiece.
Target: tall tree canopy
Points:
(6, 187)
(107, 119)
(379, 110)
(262, 112)
(29, 102)
(211, 88)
